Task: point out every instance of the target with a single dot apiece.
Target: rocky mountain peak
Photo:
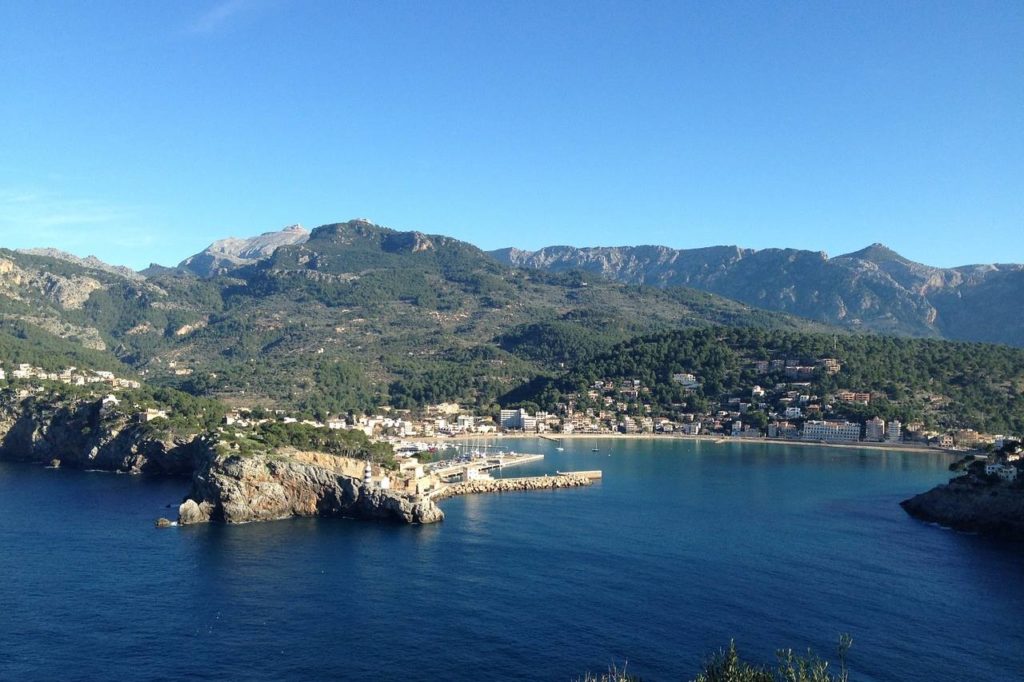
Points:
(233, 252)
(876, 253)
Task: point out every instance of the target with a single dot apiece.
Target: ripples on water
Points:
(681, 547)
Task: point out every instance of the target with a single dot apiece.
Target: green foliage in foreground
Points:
(727, 666)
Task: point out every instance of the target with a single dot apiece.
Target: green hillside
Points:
(357, 316)
(944, 383)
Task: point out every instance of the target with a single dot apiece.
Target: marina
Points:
(472, 466)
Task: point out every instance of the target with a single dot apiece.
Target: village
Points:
(788, 410)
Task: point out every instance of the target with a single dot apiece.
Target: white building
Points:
(832, 431)
(686, 379)
(895, 431)
(152, 413)
(511, 419)
(690, 428)
(1007, 472)
(874, 430)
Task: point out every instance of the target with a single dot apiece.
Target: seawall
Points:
(503, 485)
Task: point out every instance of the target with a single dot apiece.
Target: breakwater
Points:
(502, 485)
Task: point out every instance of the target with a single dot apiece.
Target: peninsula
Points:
(272, 470)
(987, 496)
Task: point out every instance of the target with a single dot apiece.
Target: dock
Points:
(457, 470)
(592, 475)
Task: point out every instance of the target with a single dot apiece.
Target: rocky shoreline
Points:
(972, 505)
(226, 486)
(79, 434)
(242, 489)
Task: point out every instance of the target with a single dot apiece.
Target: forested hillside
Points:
(947, 384)
(356, 316)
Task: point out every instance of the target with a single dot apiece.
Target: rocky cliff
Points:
(226, 488)
(227, 254)
(969, 504)
(79, 434)
(231, 488)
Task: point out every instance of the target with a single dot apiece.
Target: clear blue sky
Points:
(142, 131)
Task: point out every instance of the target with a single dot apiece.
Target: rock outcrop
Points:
(227, 254)
(78, 434)
(239, 489)
(969, 504)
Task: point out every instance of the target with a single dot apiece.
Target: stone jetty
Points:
(502, 485)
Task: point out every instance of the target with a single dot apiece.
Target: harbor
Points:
(475, 465)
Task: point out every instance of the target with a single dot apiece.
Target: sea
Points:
(681, 548)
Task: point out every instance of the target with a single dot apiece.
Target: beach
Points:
(559, 437)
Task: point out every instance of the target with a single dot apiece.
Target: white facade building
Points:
(874, 430)
(832, 431)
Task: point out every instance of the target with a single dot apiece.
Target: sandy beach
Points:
(714, 439)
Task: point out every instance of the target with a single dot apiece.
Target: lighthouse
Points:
(368, 475)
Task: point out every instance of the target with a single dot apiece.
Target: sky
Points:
(140, 132)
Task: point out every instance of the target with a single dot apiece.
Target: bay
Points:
(681, 547)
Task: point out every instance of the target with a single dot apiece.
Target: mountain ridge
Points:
(870, 289)
(351, 315)
(874, 288)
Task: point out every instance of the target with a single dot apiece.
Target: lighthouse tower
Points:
(368, 475)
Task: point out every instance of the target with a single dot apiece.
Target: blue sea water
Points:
(682, 547)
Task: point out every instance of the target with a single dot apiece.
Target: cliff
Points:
(80, 434)
(971, 504)
(231, 488)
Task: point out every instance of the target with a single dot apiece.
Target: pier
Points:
(502, 485)
(448, 471)
(593, 475)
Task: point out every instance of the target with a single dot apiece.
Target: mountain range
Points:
(347, 315)
(874, 289)
(352, 315)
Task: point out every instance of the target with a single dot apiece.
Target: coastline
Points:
(714, 439)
